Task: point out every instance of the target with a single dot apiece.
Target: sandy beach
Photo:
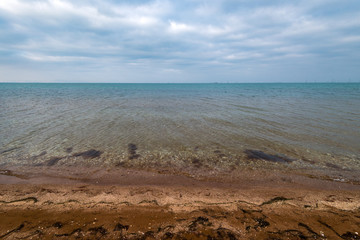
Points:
(199, 120)
(119, 203)
(183, 161)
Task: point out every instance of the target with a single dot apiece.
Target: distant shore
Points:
(93, 203)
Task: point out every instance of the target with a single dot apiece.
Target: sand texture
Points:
(49, 203)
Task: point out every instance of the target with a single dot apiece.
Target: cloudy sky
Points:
(179, 41)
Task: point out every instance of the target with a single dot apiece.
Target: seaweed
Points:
(120, 227)
(329, 227)
(77, 230)
(199, 221)
(21, 226)
(39, 155)
(331, 165)
(274, 200)
(69, 149)
(350, 236)
(96, 230)
(53, 161)
(8, 150)
(262, 223)
(149, 201)
(92, 153)
(196, 162)
(36, 232)
(21, 200)
(132, 151)
(223, 233)
(58, 225)
(292, 232)
(309, 229)
(256, 154)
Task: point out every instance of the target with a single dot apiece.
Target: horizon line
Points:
(174, 82)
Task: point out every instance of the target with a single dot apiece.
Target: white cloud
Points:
(59, 12)
(244, 55)
(175, 35)
(48, 58)
(176, 27)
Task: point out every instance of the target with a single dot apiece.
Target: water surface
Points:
(182, 126)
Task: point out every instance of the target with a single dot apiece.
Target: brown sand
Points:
(94, 203)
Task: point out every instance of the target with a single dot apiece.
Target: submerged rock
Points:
(257, 154)
(92, 153)
(196, 162)
(69, 149)
(132, 151)
(331, 165)
(53, 161)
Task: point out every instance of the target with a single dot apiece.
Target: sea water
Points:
(181, 126)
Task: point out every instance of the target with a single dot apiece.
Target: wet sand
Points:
(117, 203)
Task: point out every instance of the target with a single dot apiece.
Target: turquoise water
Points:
(181, 126)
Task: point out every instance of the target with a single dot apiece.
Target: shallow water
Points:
(182, 126)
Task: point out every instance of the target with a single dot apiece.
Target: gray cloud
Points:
(182, 41)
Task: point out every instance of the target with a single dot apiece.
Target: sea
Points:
(215, 127)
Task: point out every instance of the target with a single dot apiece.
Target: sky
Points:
(179, 41)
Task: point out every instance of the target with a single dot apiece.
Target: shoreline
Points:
(93, 203)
